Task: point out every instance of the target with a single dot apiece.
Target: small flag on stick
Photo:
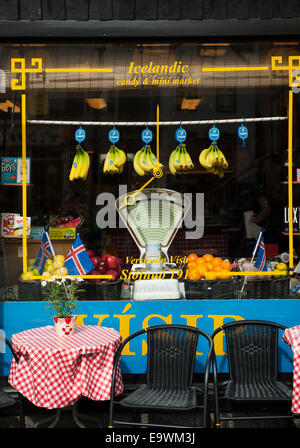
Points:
(78, 261)
(44, 253)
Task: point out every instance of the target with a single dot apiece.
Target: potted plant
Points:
(62, 294)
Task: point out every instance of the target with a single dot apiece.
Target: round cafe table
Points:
(54, 372)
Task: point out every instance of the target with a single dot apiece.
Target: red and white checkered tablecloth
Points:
(54, 372)
(292, 337)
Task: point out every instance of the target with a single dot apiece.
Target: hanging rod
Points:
(153, 123)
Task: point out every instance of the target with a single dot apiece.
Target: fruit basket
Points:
(30, 290)
(279, 288)
(210, 289)
(275, 289)
(256, 289)
(109, 290)
(89, 291)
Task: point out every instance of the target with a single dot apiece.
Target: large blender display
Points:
(153, 217)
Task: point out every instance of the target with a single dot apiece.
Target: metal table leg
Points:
(75, 414)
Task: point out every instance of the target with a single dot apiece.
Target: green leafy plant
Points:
(62, 295)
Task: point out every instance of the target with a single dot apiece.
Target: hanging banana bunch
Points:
(114, 161)
(213, 160)
(80, 166)
(180, 161)
(145, 162)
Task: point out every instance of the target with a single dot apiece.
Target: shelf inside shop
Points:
(286, 233)
(199, 172)
(294, 182)
(15, 185)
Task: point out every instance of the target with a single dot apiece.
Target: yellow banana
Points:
(79, 164)
(171, 161)
(120, 157)
(144, 161)
(203, 156)
(222, 159)
(84, 165)
(188, 161)
(73, 168)
(136, 164)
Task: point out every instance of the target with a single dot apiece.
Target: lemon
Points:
(281, 267)
(27, 275)
(48, 262)
(277, 273)
(60, 258)
(50, 268)
(58, 263)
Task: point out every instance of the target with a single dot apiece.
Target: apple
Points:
(114, 275)
(96, 261)
(91, 253)
(104, 257)
(111, 262)
(101, 270)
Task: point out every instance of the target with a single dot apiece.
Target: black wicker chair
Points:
(170, 370)
(252, 349)
(12, 404)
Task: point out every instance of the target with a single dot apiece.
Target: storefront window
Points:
(99, 87)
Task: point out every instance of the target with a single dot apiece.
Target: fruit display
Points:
(207, 267)
(213, 160)
(114, 161)
(180, 161)
(105, 265)
(80, 165)
(66, 221)
(145, 162)
(280, 270)
(52, 267)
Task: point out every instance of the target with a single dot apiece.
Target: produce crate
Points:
(210, 289)
(279, 288)
(90, 291)
(109, 290)
(267, 289)
(30, 290)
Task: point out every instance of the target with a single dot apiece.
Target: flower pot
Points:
(64, 326)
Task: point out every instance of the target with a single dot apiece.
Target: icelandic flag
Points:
(78, 261)
(44, 253)
(261, 260)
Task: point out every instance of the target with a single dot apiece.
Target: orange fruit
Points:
(217, 260)
(224, 275)
(208, 258)
(226, 265)
(209, 266)
(193, 275)
(200, 260)
(192, 257)
(201, 268)
(216, 268)
(192, 265)
(210, 275)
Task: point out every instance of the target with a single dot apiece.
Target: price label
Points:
(243, 134)
(114, 136)
(80, 135)
(147, 136)
(214, 134)
(180, 135)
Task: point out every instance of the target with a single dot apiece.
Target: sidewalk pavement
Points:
(99, 411)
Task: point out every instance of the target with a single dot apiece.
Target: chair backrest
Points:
(9, 344)
(252, 348)
(171, 355)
